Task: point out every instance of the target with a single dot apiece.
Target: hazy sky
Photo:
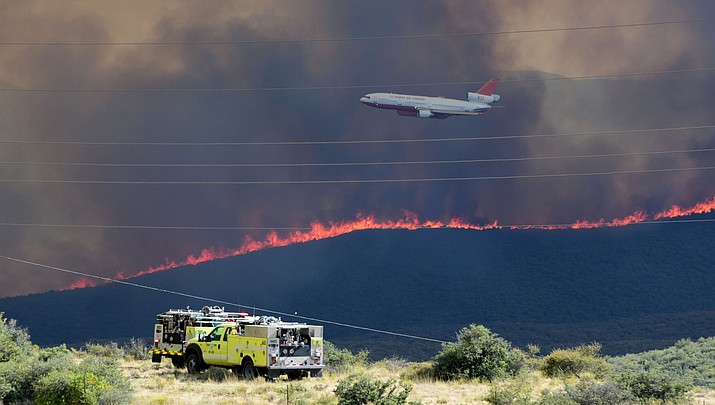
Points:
(117, 49)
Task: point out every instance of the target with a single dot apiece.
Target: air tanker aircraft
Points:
(436, 107)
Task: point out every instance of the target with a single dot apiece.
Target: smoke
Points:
(549, 106)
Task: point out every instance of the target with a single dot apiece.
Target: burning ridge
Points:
(410, 221)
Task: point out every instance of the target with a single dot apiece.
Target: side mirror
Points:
(202, 336)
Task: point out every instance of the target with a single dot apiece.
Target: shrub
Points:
(52, 376)
(477, 354)
(17, 378)
(418, 372)
(136, 349)
(645, 386)
(687, 360)
(359, 389)
(55, 352)
(593, 393)
(556, 398)
(14, 340)
(514, 392)
(103, 381)
(109, 350)
(582, 359)
(217, 374)
(60, 387)
(340, 360)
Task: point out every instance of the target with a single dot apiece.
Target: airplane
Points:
(436, 107)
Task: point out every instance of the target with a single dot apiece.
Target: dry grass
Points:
(161, 384)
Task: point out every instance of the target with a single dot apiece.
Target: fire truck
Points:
(251, 345)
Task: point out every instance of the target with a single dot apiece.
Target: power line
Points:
(359, 141)
(354, 39)
(345, 87)
(352, 164)
(357, 181)
(207, 299)
(222, 228)
(155, 227)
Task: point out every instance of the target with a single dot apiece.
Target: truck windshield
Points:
(217, 333)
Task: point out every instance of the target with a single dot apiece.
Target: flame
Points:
(676, 211)
(410, 221)
(81, 283)
(317, 231)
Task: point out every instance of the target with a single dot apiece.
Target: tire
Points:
(316, 373)
(249, 370)
(178, 362)
(194, 363)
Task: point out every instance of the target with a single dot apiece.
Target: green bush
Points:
(55, 352)
(582, 359)
(104, 381)
(477, 354)
(52, 376)
(14, 340)
(360, 389)
(59, 387)
(687, 360)
(341, 360)
(645, 386)
(18, 378)
(593, 393)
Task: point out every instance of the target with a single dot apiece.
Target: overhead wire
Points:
(357, 181)
(343, 87)
(156, 227)
(283, 228)
(352, 39)
(209, 299)
(353, 164)
(361, 141)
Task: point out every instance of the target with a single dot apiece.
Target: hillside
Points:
(631, 288)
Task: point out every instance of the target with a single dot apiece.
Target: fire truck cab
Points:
(175, 326)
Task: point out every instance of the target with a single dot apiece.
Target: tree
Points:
(477, 354)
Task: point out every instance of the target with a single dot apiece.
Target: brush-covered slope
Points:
(630, 288)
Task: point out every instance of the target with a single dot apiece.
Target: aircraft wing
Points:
(453, 112)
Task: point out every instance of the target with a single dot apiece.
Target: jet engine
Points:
(425, 114)
(481, 98)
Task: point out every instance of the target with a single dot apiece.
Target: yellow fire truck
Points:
(268, 348)
(252, 346)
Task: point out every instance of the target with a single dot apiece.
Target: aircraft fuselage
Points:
(435, 107)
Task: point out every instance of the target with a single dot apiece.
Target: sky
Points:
(119, 91)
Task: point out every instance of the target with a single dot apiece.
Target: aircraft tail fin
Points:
(488, 89)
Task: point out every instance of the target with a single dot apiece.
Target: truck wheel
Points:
(178, 362)
(316, 373)
(249, 371)
(194, 363)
